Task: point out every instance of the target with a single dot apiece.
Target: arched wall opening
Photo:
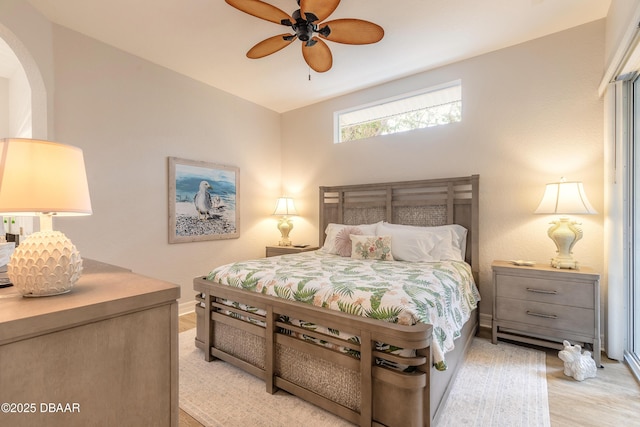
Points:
(34, 80)
(23, 107)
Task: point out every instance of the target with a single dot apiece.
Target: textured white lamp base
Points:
(46, 263)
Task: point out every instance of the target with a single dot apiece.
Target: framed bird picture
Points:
(204, 201)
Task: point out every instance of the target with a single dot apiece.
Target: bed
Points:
(365, 370)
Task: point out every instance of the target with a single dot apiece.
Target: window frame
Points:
(435, 88)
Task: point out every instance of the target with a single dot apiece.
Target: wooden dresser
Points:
(543, 305)
(104, 354)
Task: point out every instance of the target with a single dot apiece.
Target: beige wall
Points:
(4, 107)
(129, 116)
(29, 35)
(531, 114)
(20, 123)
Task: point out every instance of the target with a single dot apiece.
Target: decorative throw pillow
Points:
(332, 231)
(343, 240)
(371, 247)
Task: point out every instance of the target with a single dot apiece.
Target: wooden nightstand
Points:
(542, 305)
(283, 250)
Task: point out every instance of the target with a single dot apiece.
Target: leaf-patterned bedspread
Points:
(442, 294)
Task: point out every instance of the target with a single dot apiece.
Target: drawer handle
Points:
(542, 291)
(546, 316)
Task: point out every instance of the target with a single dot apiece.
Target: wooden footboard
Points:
(356, 389)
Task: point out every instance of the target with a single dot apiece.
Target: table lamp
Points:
(45, 179)
(286, 208)
(565, 198)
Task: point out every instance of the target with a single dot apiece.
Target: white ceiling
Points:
(207, 39)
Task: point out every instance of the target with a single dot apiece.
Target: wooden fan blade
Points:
(269, 46)
(318, 56)
(321, 8)
(353, 31)
(261, 10)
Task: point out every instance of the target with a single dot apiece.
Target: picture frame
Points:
(204, 201)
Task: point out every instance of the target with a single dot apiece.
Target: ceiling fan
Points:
(308, 26)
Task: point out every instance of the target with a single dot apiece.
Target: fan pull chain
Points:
(309, 73)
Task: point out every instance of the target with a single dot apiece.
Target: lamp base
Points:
(47, 263)
(565, 234)
(564, 263)
(285, 226)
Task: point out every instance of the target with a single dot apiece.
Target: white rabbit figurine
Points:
(577, 364)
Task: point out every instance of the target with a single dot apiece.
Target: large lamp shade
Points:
(565, 198)
(42, 176)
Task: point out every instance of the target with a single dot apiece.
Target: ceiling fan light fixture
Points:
(304, 31)
(346, 31)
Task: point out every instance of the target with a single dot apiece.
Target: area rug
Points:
(218, 394)
(501, 385)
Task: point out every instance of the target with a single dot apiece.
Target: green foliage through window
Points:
(432, 107)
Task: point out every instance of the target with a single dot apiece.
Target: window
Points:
(434, 106)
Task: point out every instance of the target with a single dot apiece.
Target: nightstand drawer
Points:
(563, 318)
(570, 293)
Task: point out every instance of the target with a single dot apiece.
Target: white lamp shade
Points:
(565, 198)
(285, 206)
(42, 176)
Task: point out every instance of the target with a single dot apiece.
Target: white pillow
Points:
(451, 246)
(411, 245)
(459, 236)
(332, 231)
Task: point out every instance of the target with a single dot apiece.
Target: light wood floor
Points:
(610, 399)
(187, 321)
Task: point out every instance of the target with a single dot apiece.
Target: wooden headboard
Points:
(425, 203)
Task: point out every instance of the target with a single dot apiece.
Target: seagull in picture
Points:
(202, 200)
